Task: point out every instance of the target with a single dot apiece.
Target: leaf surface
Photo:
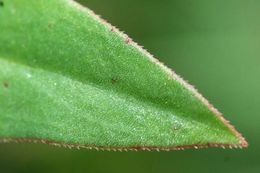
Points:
(69, 78)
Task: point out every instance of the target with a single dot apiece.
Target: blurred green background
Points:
(215, 45)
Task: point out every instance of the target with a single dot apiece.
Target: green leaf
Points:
(69, 78)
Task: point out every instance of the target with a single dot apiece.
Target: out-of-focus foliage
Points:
(214, 45)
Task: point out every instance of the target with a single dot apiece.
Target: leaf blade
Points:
(107, 77)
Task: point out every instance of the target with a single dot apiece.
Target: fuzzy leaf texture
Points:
(69, 78)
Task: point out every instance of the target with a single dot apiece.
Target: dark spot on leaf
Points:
(1, 3)
(50, 24)
(6, 84)
(112, 29)
(176, 127)
(114, 80)
(128, 40)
